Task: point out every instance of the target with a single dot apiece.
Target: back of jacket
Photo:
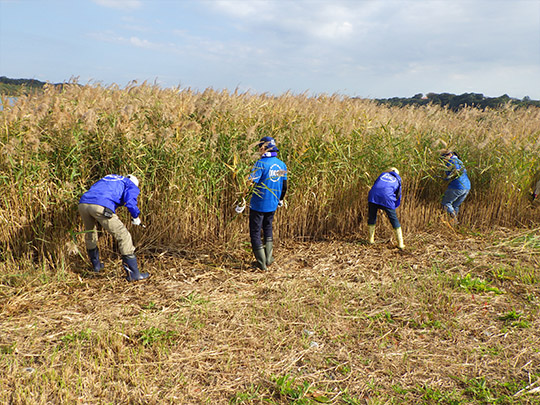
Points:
(268, 173)
(113, 191)
(386, 190)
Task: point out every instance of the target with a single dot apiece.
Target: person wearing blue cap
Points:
(269, 175)
(98, 205)
(385, 195)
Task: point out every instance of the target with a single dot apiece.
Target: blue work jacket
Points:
(457, 168)
(113, 191)
(386, 190)
(268, 173)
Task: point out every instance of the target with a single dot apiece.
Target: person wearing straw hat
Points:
(459, 184)
(385, 195)
(98, 205)
(269, 175)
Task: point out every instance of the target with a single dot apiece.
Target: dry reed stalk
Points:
(183, 143)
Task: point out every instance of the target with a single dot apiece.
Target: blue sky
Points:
(365, 48)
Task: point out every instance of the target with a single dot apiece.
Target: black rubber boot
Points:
(260, 256)
(268, 250)
(132, 269)
(93, 254)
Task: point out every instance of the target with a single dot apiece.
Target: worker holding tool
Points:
(459, 186)
(269, 177)
(385, 195)
(98, 205)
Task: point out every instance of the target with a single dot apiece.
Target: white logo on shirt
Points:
(276, 172)
(113, 177)
(388, 178)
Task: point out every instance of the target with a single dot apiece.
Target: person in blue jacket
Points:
(385, 194)
(269, 175)
(459, 186)
(98, 205)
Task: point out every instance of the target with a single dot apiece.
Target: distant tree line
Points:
(15, 87)
(455, 103)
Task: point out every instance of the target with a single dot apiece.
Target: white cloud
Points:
(253, 9)
(143, 43)
(120, 4)
(309, 19)
(334, 30)
(110, 37)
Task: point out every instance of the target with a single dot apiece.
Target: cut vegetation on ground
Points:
(452, 319)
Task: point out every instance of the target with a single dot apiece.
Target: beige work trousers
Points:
(92, 214)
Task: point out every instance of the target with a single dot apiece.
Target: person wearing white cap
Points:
(98, 205)
(385, 194)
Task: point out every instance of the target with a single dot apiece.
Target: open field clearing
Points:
(452, 319)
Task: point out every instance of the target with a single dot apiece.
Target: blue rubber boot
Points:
(132, 269)
(93, 254)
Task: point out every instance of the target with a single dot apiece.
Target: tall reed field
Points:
(192, 151)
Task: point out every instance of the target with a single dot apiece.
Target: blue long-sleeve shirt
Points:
(386, 190)
(268, 173)
(113, 191)
(456, 168)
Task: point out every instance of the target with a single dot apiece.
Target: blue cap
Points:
(269, 144)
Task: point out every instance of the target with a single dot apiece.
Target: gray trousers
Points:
(91, 214)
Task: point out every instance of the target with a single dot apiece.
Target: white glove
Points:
(136, 221)
(280, 203)
(241, 206)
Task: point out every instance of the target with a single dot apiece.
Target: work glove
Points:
(241, 206)
(136, 221)
(281, 203)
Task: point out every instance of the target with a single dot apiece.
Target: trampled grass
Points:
(333, 321)
(453, 319)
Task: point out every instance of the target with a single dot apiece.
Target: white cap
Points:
(134, 179)
(393, 169)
